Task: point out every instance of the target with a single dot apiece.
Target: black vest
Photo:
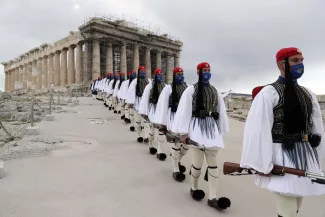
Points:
(277, 129)
(179, 91)
(210, 102)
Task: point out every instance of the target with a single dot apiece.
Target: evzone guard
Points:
(93, 90)
(110, 89)
(133, 99)
(121, 94)
(115, 88)
(284, 127)
(129, 114)
(109, 77)
(97, 87)
(202, 117)
(164, 117)
(116, 100)
(147, 109)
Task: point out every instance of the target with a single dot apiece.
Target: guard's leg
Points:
(138, 128)
(211, 176)
(118, 106)
(110, 102)
(127, 114)
(161, 140)
(299, 203)
(195, 172)
(176, 153)
(151, 138)
(122, 107)
(183, 152)
(114, 104)
(146, 129)
(286, 206)
(131, 120)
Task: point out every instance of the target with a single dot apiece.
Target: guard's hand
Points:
(183, 139)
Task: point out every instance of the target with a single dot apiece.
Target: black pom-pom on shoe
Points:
(221, 204)
(140, 139)
(119, 112)
(122, 117)
(197, 194)
(179, 177)
(132, 128)
(152, 150)
(115, 111)
(146, 140)
(161, 156)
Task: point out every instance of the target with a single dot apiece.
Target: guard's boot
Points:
(161, 156)
(140, 139)
(220, 204)
(132, 128)
(197, 194)
(152, 150)
(179, 177)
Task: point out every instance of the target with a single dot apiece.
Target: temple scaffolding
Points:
(102, 44)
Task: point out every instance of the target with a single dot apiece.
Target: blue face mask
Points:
(159, 78)
(179, 79)
(142, 74)
(206, 76)
(117, 77)
(111, 77)
(133, 75)
(122, 78)
(297, 70)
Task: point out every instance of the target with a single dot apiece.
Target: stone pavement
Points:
(102, 171)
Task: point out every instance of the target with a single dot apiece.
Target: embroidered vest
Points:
(154, 99)
(210, 99)
(142, 82)
(278, 113)
(179, 91)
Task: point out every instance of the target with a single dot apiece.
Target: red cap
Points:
(203, 65)
(141, 68)
(122, 73)
(157, 71)
(177, 69)
(287, 52)
(129, 72)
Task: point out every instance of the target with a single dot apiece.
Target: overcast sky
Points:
(239, 38)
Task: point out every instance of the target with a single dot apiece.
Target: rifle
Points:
(173, 136)
(234, 169)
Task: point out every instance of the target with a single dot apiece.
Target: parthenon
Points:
(100, 45)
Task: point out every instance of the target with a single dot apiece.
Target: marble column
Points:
(71, 75)
(169, 73)
(39, 83)
(109, 58)
(51, 70)
(123, 66)
(6, 81)
(176, 60)
(148, 61)
(63, 71)
(10, 80)
(25, 75)
(96, 60)
(57, 69)
(8, 84)
(78, 74)
(29, 78)
(16, 78)
(45, 71)
(34, 74)
(86, 63)
(136, 57)
(158, 59)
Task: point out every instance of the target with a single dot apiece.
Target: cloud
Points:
(238, 38)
